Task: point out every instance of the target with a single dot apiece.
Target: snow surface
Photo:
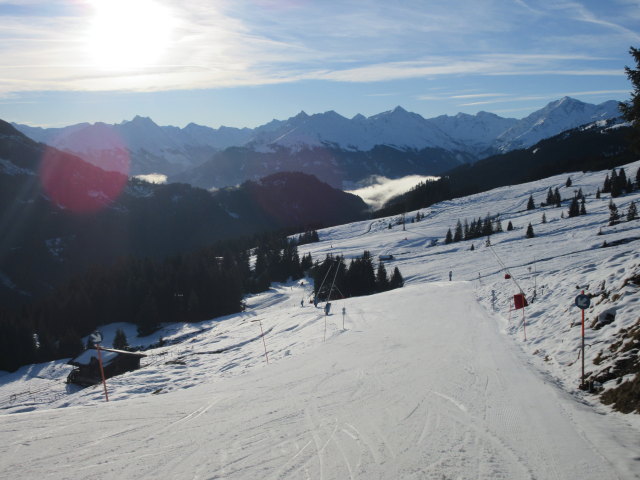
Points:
(434, 380)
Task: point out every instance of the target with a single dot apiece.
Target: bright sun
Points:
(126, 34)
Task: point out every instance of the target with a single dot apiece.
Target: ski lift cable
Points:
(334, 281)
(506, 269)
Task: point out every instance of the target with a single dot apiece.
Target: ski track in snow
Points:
(432, 381)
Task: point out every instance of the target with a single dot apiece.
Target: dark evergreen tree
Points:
(631, 109)
(458, 235)
(544, 218)
(466, 229)
(498, 226)
(616, 187)
(550, 197)
(583, 209)
(638, 178)
(614, 216)
(632, 213)
(530, 204)
(120, 340)
(448, 237)
(568, 183)
(487, 226)
(622, 180)
(472, 247)
(530, 233)
(598, 193)
(396, 279)
(558, 198)
(606, 187)
(574, 208)
(382, 281)
(509, 226)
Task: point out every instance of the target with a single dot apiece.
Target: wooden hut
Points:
(114, 362)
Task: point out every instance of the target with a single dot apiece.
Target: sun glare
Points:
(127, 34)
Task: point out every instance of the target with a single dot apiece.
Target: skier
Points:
(450, 275)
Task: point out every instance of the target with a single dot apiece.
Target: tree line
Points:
(333, 279)
(208, 283)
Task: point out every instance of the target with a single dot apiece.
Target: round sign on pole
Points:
(583, 301)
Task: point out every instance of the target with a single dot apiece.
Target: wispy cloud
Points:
(259, 42)
(547, 96)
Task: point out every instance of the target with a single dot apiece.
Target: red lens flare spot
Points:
(90, 178)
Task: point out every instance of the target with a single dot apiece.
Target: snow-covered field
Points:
(434, 380)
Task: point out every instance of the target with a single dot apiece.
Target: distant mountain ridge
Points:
(171, 150)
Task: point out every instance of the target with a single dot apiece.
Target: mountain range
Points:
(339, 150)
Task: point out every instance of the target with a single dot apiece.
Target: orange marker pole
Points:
(582, 344)
(104, 381)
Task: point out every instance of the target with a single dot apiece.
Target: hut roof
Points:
(108, 356)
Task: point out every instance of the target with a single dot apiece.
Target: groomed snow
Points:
(434, 380)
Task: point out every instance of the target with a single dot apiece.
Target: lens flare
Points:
(89, 175)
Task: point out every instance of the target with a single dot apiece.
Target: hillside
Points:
(594, 146)
(433, 380)
(63, 215)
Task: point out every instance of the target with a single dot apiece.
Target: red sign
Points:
(520, 301)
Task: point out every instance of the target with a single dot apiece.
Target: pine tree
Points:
(550, 197)
(632, 213)
(568, 183)
(574, 208)
(631, 109)
(614, 216)
(606, 186)
(530, 233)
(509, 226)
(448, 237)
(458, 235)
(638, 178)
(396, 279)
(583, 209)
(558, 198)
(598, 193)
(466, 229)
(530, 204)
(382, 281)
(616, 189)
(544, 218)
(120, 340)
(622, 180)
(498, 227)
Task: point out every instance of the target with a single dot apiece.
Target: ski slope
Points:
(434, 380)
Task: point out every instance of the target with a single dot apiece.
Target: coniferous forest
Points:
(185, 288)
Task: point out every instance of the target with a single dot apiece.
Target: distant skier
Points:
(450, 275)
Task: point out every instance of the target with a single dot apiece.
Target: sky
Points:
(242, 63)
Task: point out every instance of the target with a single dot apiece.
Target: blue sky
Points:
(244, 62)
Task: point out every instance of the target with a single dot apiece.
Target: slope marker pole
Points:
(263, 341)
